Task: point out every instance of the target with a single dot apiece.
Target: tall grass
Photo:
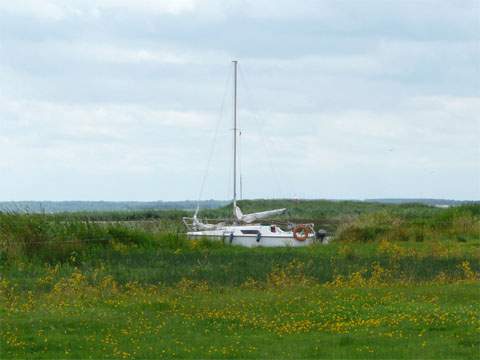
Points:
(52, 238)
(133, 215)
(55, 237)
(460, 223)
(297, 209)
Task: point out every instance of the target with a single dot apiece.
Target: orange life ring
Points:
(299, 228)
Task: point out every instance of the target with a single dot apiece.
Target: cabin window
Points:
(250, 232)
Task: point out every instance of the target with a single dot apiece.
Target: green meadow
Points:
(397, 281)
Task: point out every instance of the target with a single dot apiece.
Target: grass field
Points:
(398, 282)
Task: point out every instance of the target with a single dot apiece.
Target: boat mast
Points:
(235, 63)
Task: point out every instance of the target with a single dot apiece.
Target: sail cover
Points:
(249, 218)
(198, 225)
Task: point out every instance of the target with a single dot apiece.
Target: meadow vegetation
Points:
(398, 281)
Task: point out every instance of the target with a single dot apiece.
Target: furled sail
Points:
(198, 225)
(249, 218)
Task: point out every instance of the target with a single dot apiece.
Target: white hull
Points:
(252, 236)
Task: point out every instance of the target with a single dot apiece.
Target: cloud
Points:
(341, 16)
(118, 54)
(41, 123)
(337, 153)
(357, 99)
(56, 10)
(47, 10)
(425, 125)
(45, 142)
(135, 141)
(175, 7)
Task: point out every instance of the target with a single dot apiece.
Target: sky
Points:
(132, 99)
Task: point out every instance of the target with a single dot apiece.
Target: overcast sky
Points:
(119, 99)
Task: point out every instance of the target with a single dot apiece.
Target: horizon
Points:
(249, 199)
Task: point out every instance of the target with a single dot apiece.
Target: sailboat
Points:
(246, 229)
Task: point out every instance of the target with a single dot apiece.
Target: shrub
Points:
(460, 223)
(53, 239)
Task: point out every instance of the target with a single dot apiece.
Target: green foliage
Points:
(127, 236)
(53, 239)
(67, 312)
(36, 235)
(400, 281)
(124, 215)
(461, 222)
(103, 206)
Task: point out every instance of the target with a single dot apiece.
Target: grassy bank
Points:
(201, 300)
(399, 281)
(289, 316)
(220, 265)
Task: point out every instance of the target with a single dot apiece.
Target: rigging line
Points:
(264, 138)
(214, 141)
